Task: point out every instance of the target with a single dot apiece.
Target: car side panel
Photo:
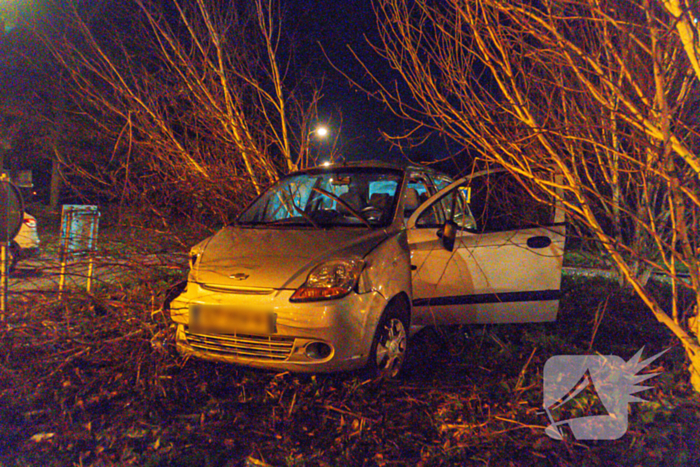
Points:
(387, 272)
(488, 278)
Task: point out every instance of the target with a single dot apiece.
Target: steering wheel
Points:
(371, 212)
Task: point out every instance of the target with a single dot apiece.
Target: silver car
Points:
(333, 267)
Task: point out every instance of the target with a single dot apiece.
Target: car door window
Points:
(440, 181)
(418, 190)
(433, 216)
(452, 206)
(457, 209)
(500, 202)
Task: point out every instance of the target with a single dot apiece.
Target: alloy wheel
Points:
(391, 347)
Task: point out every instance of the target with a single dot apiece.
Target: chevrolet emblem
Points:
(239, 276)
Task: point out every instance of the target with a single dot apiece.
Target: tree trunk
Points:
(56, 182)
(5, 146)
(694, 367)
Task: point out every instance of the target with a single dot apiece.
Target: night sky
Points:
(337, 26)
(312, 24)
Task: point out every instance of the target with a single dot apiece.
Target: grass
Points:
(96, 381)
(124, 233)
(582, 258)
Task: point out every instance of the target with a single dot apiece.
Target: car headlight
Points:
(332, 279)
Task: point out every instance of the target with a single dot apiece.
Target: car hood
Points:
(276, 258)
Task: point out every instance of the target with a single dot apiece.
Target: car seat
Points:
(381, 202)
(351, 198)
(411, 201)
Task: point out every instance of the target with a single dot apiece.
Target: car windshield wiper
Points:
(237, 223)
(288, 203)
(344, 204)
(286, 221)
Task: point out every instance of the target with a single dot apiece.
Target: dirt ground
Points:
(93, 379)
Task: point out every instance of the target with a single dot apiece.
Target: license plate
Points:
(228, 320)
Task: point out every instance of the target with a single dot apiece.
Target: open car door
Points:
(506, 260)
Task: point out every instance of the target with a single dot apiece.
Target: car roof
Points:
(368, 165)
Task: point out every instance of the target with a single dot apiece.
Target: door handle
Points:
(539, 241)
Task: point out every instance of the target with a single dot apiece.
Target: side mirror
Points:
(449, 234)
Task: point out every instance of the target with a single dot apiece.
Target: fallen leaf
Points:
(39, 437)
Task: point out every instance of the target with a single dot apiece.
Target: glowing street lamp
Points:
(321, 131)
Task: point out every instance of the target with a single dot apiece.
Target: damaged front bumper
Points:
(324, 336)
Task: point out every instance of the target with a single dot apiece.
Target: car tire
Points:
(390, 343)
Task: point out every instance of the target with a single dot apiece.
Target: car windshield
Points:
(327, 198)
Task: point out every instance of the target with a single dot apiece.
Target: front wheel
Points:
(389, 346)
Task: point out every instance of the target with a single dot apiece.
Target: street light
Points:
(319, 134)
(321, 131)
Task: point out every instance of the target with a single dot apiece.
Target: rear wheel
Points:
(390, 342)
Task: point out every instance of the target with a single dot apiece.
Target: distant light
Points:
(322, 131)
(326, 164)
